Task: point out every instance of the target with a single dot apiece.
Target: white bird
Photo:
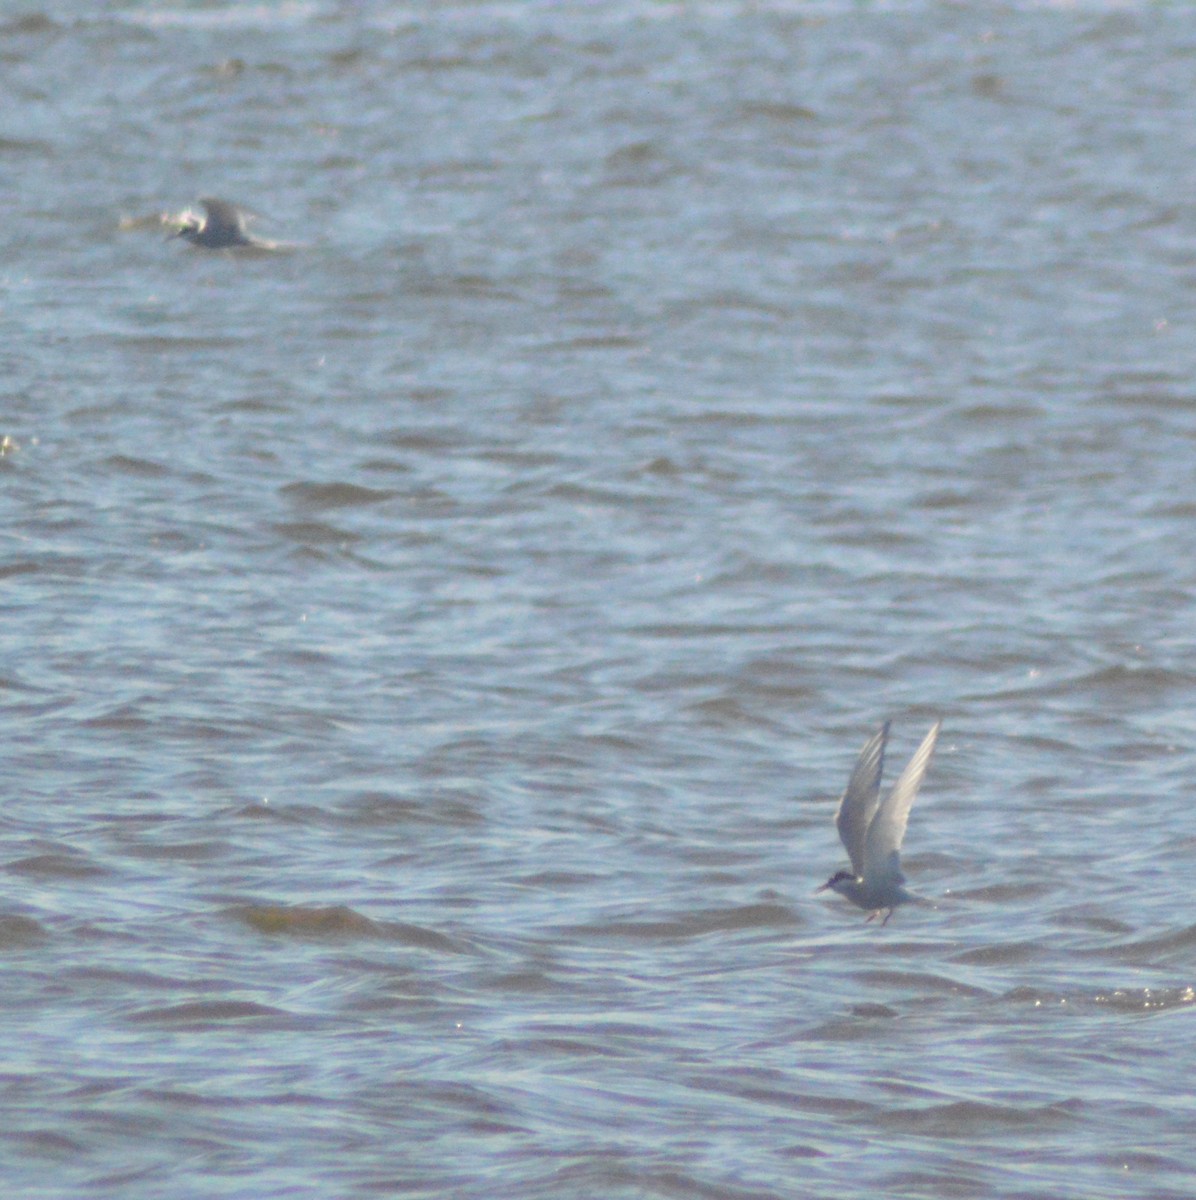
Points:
(224, 228)
(872, 831)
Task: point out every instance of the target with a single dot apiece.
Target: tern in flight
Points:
(224, 228)
(872, 830)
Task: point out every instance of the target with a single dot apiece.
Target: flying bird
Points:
(872, 830)
(223, 228)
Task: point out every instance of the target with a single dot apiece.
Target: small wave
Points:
(334, 495)
(56, 865)
(19, 931)
(141, 468)
(315, 534)
(974, 1118)
(1125, 1000)
(1007, 954)
(205, 1012)
(335, 922)
(1136, 950)
(716, 920)
(1146, 999)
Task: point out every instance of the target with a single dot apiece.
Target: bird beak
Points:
(821, 889)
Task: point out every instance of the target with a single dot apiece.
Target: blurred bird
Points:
(872, 831)
(224, 228)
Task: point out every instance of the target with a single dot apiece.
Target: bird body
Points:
(223, 228)
(872, 831)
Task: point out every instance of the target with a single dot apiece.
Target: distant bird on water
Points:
(224, 228)
(872, 831)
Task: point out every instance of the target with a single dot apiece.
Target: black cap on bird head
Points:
(837, 877)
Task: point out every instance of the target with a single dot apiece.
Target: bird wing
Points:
(225, 216)
(882, 845)
(859, 802)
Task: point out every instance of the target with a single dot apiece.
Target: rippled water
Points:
(429, 660)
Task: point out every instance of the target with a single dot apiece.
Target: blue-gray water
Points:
(429, 660)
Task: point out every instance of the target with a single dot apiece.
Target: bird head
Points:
(189, 226)
(837, 878)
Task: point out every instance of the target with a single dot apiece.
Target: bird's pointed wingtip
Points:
(879, 738)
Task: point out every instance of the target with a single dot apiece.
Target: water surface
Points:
(429, 660)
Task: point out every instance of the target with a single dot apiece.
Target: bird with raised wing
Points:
(872, 831)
